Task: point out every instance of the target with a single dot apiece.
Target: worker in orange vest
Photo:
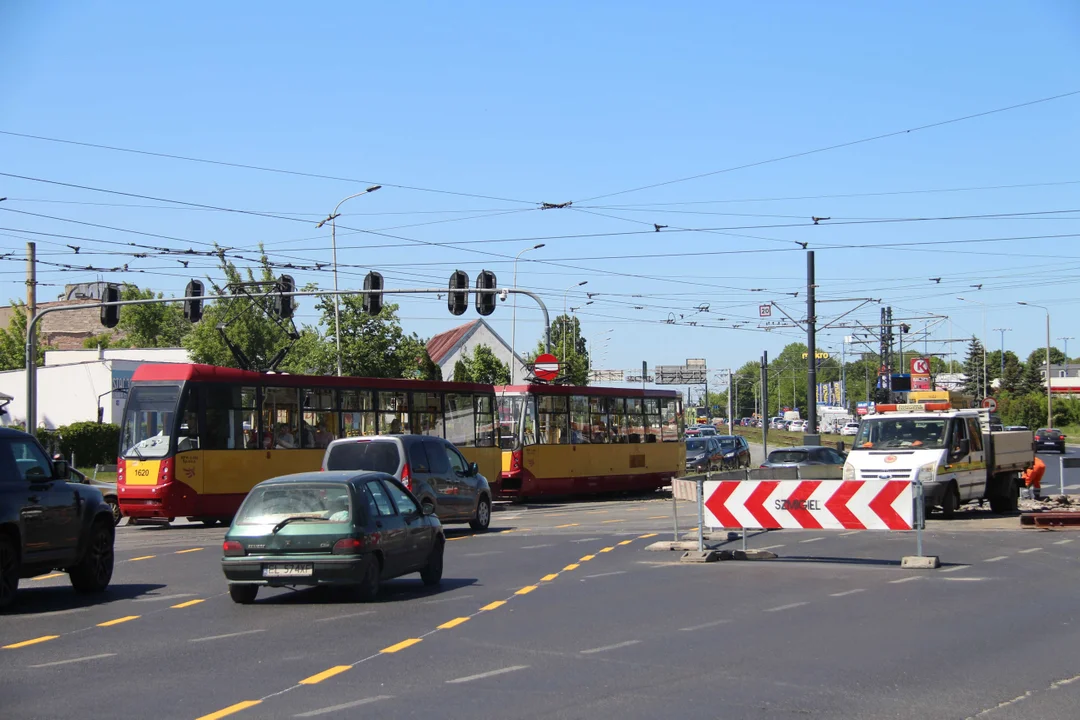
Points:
(1033, 477)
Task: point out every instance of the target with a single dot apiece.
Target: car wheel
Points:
(9, 572)
(369, 585)
(949, 503)
(243, 594)
(483, 515)
(94, 571)
(117, 516)
(432, 572)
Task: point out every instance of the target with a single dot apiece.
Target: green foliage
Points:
(156, 325)
(373, 346)
(1022, 409)
(482, 367)
(1038, 357)
(13, 341)
(973, 370)
(104, 341)
(92, 443)
(570, 346)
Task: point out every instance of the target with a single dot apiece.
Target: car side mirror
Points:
(61, 470)
(474, 469)
(427, 509)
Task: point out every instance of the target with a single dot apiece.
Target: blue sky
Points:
(487, 110)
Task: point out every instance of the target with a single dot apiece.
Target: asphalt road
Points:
(1051, 482)
(561, 612)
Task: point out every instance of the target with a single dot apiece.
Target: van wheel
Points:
(950, 503)
(94, 571)
(9, 572)
(483, 515)
(243, 594)
(432, 572)
(1009, 502)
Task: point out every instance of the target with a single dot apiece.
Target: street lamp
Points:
(1049, 406)
(566, 317)
(985, 392)
(1003, 331)
(513, 322)
(333, 244)
(1066, 341)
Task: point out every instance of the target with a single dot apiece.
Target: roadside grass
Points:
(102, 476)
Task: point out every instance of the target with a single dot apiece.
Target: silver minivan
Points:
(440, 477)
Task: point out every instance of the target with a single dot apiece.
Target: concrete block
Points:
(702, 556)
(753, 555)
(920, 562)
(668, 545)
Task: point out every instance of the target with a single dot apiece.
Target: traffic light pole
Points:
(32, 325)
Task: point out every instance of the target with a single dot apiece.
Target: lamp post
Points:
(1002, 331)
(985, 389)
(333, 244)
(1049, 394)
(513, 322)
(1066, 341)
(566, 317)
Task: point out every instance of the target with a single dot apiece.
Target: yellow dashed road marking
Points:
(225, 712)
(494, 605)
(35, 641)
(607, 549)
(401, 645)
(559, 527)
(610, 521)
(648, 535)
(48, 577)
(453, 623)
(526, 590)
(625, 542)
(142, 557)
(586, 558)
(319, 677)
(549, 578)
(117, 621)
(189, 603)
(189, 550)
(573, 566)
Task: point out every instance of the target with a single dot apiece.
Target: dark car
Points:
(1049, 439)
(803, 456)
(735, 452)
(703, 454)
(432, 469)
(48, 523)
(330, 528)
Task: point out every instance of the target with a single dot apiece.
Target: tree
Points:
(1014, 373)
(1032, 379)
(482, 367)
(973, 369)
(570, 346)
(155, 325)
(13, 341)
(747, 388)
(374, 345)
(787, 379)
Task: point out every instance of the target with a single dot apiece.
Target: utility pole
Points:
(811, 435)
(731, 407)
(31, 280)
(764, 401)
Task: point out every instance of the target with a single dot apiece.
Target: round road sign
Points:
(546, 367)
(990, 404)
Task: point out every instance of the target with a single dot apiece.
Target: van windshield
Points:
(901, 432)
(364, 455)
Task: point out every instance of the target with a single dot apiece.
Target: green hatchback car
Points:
(330, 528)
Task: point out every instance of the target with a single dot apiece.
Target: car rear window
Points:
(270, 504)
(364, 455)
(787, 456)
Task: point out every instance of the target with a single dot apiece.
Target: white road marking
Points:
(481, 554)
(74, 660)
(812, 540)
(344, 706)
(537, 547)
(965, 579)
(616, 572)
(904, 580)
(1072, 487)
(585, 540)
(955, 568)
(846, 592)
(227, 635)
(787, 607)
(1064, 542)
(770, 547)
(995, 559)
(343, 617)
(156, 598)
(714, 623)
(492, 673)
(447, 599)
(849, 532)
(605, 648)
(1029, 550)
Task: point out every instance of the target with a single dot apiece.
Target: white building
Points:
(448, 347)
(74, 384)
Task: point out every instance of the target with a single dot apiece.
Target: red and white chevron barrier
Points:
(810, 504)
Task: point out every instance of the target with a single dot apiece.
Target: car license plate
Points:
(287, 570)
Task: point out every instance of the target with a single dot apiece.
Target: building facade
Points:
(448, 347)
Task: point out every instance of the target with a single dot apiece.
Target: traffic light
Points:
(285, 304)
(110, 315)
(485, 302)
(458, 297)
(193, 308)
(373, 286)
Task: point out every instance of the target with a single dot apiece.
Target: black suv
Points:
(48, 523)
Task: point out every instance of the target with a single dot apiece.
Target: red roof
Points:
(439, 346)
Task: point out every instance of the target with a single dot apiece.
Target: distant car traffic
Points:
(851, 429)
(802, 456)
(1049, 439)
(1014, 428)
(735, 451)
(330, 528)
(797, 426)
(429, 467)
(703, 454)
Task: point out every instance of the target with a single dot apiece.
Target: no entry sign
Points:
(546, 367)
(810, 504)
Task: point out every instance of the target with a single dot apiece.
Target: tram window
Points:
(509, 417)
(427, 414)
(670, 432)
(529, 424)
(652, 420)
(553, 420)
(486, 430)
(460, 427)
(393, 413)
(635, 431)
(598, 416)
(230, 418)
(579, 420)
(187, 435)
(357, 413)
(618, 420)
(280, 418)
(319, 424)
